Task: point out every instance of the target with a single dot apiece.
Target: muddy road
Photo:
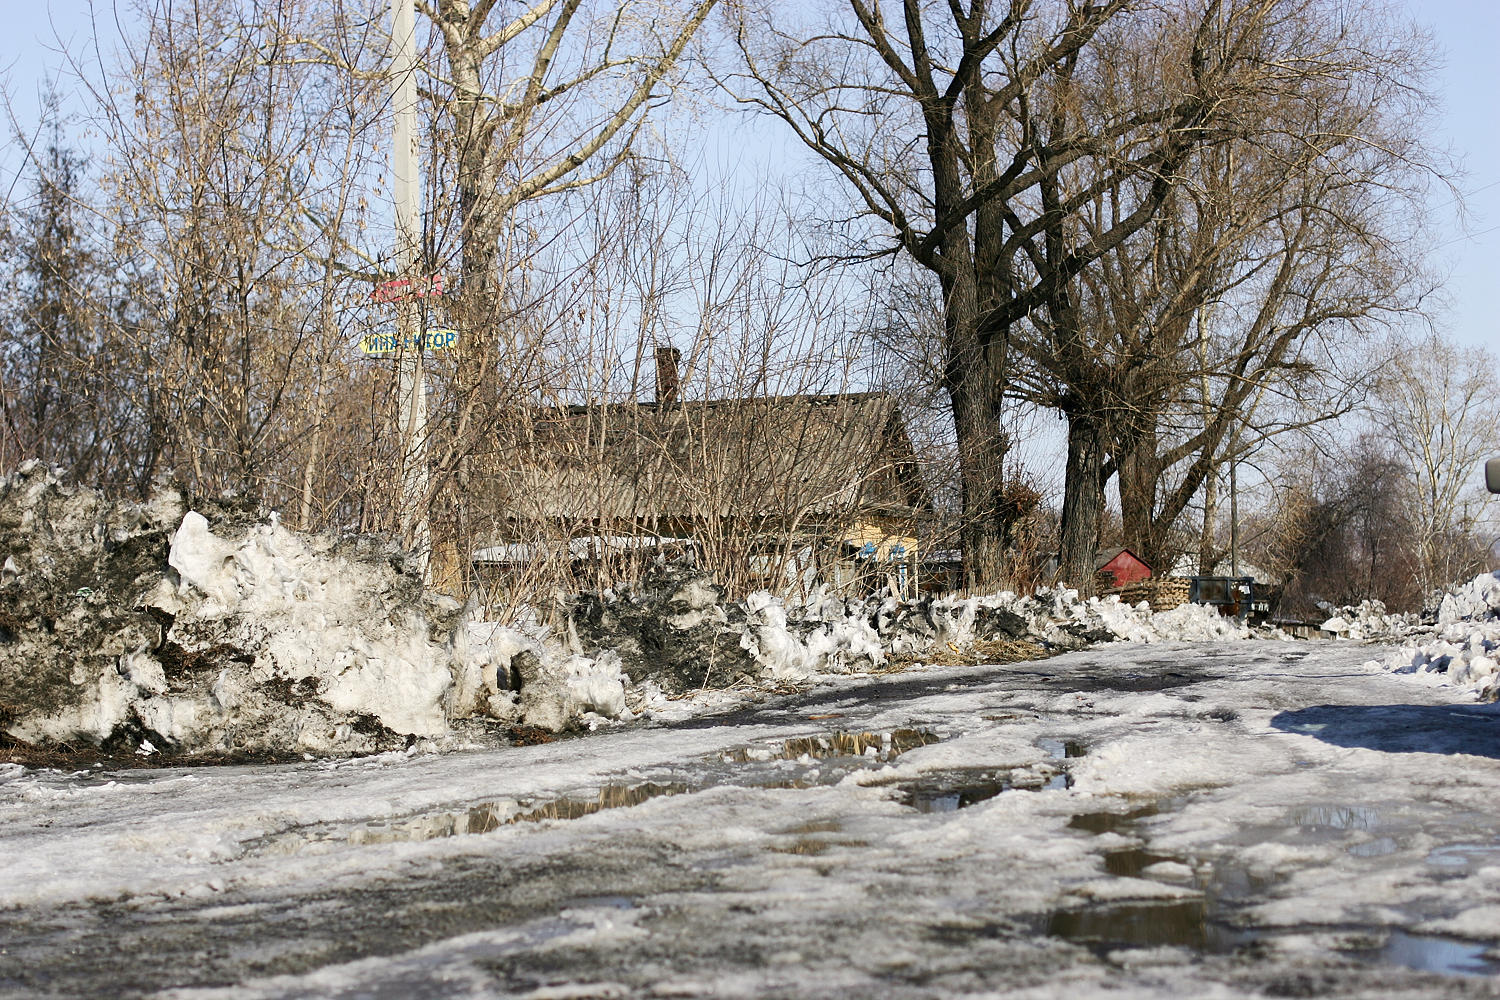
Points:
(1231, 819)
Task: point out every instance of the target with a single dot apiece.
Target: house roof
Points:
(779, 457)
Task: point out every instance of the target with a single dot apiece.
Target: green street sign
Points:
(439, 339)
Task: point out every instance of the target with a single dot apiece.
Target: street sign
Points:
(440, 339)
(405, 288)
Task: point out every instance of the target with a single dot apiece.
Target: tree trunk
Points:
(1139, 472)
(1083, 501)
(1207, 552)
(974, 392)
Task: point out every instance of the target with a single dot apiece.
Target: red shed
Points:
(1119, 568)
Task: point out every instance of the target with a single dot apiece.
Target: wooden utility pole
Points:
(416, 533)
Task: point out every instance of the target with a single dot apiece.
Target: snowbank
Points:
(1461, 647)
(189, 626)
(173, 625)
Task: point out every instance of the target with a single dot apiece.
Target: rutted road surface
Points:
(1230, 819)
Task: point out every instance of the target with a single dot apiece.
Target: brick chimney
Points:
(667, 386)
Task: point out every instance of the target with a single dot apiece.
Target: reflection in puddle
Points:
(482, 817)
(813, 846)
(1178, 923)
(1336, 817)
(1462, 855)
(958, 788)
(1132, 861)
(1431, 953)
(610, 797)
(1062, 749)
(1377, 848)
(877, 747)
(1112, 822)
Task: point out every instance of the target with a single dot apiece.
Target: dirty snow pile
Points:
(1462, 647)
(175, 626)
(1369, 621)
(678, 633)
(1055, 617)
(187, 625)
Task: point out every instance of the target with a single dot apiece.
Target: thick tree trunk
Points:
(973, 378)
(1140, 471)
(1083, 501)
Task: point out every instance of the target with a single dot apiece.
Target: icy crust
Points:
(1462, 647)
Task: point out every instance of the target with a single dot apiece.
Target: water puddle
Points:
(1061, 749)
(1201, 924)
(880, 748)
(1462, 855)
(1132, 862)
(1335, 818)
(836, 754)
(1432, 953)
(1181, 923)
(950, 791)
(485, 817)
(1113, 822)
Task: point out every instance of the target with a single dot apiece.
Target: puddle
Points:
(877, 747)
(1462, 855)
(1132, 861)
(1181, 923)
(482, 817)
(1112, 822)
(1432, 953)
(1199, 924)
(1059, 749)
(958, 788)
(949, 796)
(1335, 817)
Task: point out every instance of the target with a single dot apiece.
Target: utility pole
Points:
(416, 533)
(1234, 512)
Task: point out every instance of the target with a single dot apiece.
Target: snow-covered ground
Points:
(1214, 819)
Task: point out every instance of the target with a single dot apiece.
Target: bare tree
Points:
(1435, 410)
(983, 142)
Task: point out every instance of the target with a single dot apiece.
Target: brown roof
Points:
(783, 458)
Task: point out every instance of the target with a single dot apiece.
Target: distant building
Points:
(811, 488)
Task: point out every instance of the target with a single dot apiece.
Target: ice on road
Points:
(1224, 819)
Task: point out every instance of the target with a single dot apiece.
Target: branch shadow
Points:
(1442, 729)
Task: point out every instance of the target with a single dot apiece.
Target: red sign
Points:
(405, 288)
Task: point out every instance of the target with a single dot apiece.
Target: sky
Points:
(1467, 83)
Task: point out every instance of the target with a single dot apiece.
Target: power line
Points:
(1468, 236)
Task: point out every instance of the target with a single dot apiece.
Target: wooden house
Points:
(766, 490)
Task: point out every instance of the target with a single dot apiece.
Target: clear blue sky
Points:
(1468, 32)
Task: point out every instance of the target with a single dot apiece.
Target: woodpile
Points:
(1162, 593)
